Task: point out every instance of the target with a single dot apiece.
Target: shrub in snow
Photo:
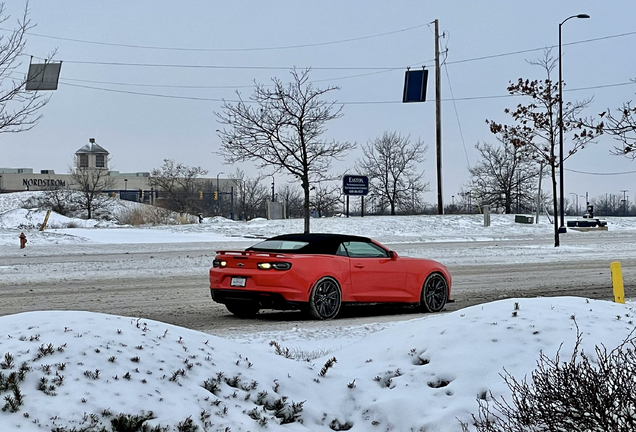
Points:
(586, 393)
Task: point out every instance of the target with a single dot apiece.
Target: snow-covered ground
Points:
(81, 370)
(85, 369)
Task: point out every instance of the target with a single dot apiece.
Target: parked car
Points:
(321, 272)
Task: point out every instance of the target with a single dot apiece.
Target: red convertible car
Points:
(321, 272)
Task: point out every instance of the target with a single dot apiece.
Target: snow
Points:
(389, 376)
(421, 374)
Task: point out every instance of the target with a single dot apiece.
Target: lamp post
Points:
(218, 193)
(576, 209)
(273, 196)
(562, 228)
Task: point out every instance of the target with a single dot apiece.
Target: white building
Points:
(91, 155)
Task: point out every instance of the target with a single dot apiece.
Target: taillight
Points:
(219, 263)
(274, 265)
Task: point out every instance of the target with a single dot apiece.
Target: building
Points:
(133, 186)
(92, 156)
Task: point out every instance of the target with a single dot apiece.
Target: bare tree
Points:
(623, 128)
(92, 184)
(179, 183)
(293, 200)
(19, 108)
(283, 129)
(504, 176)
(391, 164)
(610, 205)
(251, 195)
(535, 130)
(59, 199)
(325, 198)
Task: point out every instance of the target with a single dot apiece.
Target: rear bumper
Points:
(289, 285)
(266, 300)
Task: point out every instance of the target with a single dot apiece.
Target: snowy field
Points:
(80, 371)
(504, 240)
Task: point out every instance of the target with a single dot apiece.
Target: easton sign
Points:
(355, 185)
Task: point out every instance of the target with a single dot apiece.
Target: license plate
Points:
(238, 281)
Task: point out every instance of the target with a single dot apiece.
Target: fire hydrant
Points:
(23, 240)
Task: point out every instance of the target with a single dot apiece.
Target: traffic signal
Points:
(200, 195)
(216, 195)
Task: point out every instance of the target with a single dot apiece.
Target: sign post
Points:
(355, 185)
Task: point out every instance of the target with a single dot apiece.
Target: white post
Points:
(486, 210)
(539, 192)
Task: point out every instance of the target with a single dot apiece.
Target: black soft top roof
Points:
(317, 243)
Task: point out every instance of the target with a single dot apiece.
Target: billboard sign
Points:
(355, 185)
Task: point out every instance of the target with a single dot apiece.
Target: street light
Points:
(576, 211)
(273, 196)
(218, 204)
(562, 228)
(586, 203)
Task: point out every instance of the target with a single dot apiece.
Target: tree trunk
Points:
(89, 208)
(305, 183)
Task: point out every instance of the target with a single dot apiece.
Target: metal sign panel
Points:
(355, 185)
(415, 86)
(43, 76)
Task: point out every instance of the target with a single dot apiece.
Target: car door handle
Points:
(358, 265)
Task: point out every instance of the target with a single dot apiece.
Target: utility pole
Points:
(438, 122)
(624, 202)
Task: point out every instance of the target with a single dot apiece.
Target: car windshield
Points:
(276, 245)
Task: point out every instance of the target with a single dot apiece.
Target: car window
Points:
(357, 249)
(341, 250)
(269, 245)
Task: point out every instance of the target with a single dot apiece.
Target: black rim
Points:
(435, 292)
(327, 298)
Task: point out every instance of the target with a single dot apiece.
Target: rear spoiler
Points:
(251, 253)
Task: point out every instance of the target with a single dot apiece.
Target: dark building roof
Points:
(317, 243)
(92, 147)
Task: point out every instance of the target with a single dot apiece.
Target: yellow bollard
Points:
(617, 281)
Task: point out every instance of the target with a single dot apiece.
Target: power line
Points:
(600, 174)
(228, 86)
(148, 94)
(453, 99)
(459, 124)
(340, 41)
(198, 66)
(487, 57)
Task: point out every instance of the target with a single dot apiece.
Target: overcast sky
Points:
(144, 114)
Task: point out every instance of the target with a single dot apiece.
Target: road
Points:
(171, 285)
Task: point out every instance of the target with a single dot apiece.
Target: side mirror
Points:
(393, 255)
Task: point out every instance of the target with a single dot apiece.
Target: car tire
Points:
(434, 293)
(325, 299)
(243, 309)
